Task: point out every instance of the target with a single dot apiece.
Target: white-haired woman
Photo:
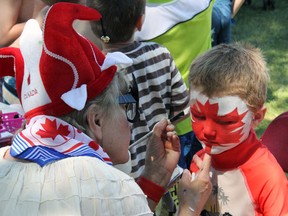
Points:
(76, 108)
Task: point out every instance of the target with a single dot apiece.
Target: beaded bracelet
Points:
(152, 190)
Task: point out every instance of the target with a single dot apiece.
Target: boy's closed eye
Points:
(227, 120)
(224, 120)
(196, 114)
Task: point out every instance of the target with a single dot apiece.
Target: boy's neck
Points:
(112, 47)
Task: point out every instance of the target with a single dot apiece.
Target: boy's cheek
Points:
(197, 129)
(223, 136)
(230, 138)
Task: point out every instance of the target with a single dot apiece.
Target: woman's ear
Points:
(259, 116)
(94, 120)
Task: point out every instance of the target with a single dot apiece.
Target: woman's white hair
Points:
(106, 103)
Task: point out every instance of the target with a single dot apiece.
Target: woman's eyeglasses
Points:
(131, 103)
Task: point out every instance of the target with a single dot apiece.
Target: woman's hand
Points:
(194, 191)
(162, 155)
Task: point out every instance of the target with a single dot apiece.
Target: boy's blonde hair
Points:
(235, 69)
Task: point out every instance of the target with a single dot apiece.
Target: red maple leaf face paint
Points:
(219, 123)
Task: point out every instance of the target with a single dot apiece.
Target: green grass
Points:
(268, 30)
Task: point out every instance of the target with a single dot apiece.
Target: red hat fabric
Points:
(59, 69)
(275, 137)
(11, 61)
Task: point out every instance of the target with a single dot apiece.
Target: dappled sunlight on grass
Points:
(274, 108)
(276, 102)
(279, 104)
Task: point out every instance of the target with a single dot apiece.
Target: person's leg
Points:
(226, 12)
(225, 33)
(221, 22)
(216, 25)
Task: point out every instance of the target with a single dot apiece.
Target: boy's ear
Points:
(94, 121)
(259, 116)
(140, 22)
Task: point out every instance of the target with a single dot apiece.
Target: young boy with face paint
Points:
(228, 86)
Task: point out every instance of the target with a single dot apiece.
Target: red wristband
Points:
(152, 190)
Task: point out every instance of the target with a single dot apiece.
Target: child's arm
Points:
(10, 30)
(236, 6)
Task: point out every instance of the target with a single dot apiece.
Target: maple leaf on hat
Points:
(50, 130)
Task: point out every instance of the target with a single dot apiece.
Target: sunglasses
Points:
(130, 101)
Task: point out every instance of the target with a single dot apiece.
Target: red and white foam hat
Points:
(59, 70)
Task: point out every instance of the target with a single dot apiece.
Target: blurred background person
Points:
(222, 20)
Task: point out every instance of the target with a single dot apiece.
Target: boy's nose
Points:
(209, 131)
(210, 136)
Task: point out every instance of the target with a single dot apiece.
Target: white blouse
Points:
(72, 186)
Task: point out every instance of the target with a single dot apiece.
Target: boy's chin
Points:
(216, 149)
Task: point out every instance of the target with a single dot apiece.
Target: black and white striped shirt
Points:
(161, 89)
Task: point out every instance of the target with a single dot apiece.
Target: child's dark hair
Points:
(119, 18)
